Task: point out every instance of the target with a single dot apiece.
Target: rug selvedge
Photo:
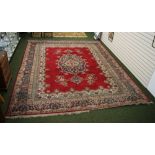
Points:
(29, 97)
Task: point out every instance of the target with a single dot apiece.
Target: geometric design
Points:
(45, 87)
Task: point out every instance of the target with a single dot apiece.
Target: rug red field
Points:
(63, 77)
(72, 68)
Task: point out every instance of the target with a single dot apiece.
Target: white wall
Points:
(135, 51)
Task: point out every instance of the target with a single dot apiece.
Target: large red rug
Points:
(63, 77)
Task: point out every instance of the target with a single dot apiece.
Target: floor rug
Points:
(65, 77)
(69, 34)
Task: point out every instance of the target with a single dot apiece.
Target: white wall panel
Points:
(135, 51)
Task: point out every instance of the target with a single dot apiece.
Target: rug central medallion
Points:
(71, 63)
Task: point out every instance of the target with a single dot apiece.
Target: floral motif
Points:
(76, 79)
(72, 64)
(91, 78)
(61, 80)
(58, 51)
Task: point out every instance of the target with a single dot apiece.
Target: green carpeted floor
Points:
(135, 113)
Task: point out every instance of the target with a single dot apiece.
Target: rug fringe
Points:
(75, 112)
(46, 115)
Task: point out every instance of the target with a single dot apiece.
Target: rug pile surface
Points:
(65, 77)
